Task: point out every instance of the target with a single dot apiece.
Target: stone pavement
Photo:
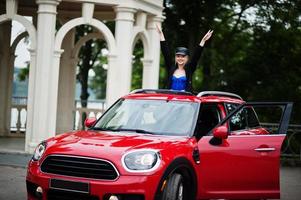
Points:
(12, 144)
(14, 159)
(12, 183)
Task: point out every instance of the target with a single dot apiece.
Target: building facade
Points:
(54, 55)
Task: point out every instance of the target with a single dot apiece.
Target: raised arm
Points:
(198, 51)
(206, 37)
(162, 37)
(164, 49)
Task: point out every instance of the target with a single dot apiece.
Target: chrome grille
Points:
(79, 167)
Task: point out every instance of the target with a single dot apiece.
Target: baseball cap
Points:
(182, 51)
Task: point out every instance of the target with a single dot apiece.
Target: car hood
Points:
(109, 144)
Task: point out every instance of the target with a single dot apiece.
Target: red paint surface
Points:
(231, 170)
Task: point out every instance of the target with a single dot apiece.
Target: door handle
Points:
(265, 149)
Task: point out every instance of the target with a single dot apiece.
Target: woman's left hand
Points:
(206, 37)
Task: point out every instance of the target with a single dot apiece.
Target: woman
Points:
(180, 73)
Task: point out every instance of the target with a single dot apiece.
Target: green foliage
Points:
(137, 66)
(162, 74)
(87, 57)
(24, 73)
(98, 83)
(255, 50)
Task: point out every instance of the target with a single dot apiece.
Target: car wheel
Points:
(175, 188)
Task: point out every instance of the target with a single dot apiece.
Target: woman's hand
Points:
(162, 38)
(206, 37)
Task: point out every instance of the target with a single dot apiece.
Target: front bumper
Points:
(140, 187)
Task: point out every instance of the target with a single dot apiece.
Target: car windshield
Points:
(159, 117)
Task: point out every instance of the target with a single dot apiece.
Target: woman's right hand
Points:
(162, 38)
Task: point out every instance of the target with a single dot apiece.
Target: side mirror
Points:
(89, 122)
(220, 132)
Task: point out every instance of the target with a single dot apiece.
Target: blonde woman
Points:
(180, 73)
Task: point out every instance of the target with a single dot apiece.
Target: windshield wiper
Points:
(134, 130)
(121, 129)
(103, 129)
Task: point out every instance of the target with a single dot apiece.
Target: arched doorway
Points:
(21, 66)
(69, 61)
(7, 63)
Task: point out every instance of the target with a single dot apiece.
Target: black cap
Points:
(182, 51)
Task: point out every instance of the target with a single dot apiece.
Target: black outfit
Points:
(189, 68)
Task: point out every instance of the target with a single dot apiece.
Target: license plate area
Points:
(71, 186)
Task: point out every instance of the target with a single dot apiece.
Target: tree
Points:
(98, 81)
(137, 66)
(255, 50)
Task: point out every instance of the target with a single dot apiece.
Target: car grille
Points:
(79, 167)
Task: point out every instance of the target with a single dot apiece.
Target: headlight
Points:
(141, 160)
(39, 151)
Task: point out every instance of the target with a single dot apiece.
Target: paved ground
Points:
(12, 183)
(290, 182)
(12, 144)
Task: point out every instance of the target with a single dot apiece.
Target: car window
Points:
(209, 117)
(153, 116)
(244, 119)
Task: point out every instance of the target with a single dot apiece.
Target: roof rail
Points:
(160, 91)
(219, 93)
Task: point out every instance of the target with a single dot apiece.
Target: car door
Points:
(245, 165)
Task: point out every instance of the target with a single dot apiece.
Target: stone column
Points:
(123, 35)
(147, 82)
(10, 77)
(112, 80)
(46, 79)
(30, 100)
(6, 73)
(67, 79)
(141, 19)
(151, 70)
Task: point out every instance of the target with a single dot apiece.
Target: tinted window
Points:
(244, 119)
(208, 118)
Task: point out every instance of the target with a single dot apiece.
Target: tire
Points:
(175, 188)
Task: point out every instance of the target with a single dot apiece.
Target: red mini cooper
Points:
(166, 145)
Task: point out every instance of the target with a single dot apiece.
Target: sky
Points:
(22, 54)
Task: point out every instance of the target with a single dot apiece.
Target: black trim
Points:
(31, 188)
(70, 186)
(216, 141)
(196, 155)
(285, 119)
(77, 166)
(197, 128)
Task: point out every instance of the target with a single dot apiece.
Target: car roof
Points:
(170, 95)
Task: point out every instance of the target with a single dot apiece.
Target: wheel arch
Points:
(185, 168)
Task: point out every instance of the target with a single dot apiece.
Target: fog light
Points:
(113, 197)
(39, 192)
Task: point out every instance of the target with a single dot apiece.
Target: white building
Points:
(53, 55)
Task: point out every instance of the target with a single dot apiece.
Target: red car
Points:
(166, 145)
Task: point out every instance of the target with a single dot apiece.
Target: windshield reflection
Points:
(158, 117)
